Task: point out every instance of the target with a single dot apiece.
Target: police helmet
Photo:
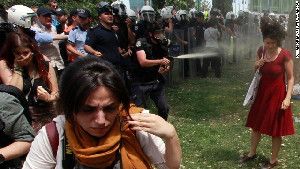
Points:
(131, 14)
(215, 13)
(148, 13)
(104, 7)
(192, 13)
(166, 12)
(20, 15)
(119, 8)
(230, 15)
(102, 4)
(181, 15)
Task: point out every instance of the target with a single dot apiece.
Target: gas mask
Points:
(148, 16)
(161, 39)
(183, 17)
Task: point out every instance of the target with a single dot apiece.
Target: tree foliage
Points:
(29, 3)
(158, 4)
(224, 5)
(205, 5)
(62, 3)
(178, 4)
(67, 5)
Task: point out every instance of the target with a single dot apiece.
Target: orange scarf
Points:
(101, 153)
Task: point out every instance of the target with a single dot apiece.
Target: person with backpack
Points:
(16, 132)
(100, 127)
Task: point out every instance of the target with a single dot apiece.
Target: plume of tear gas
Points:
(245, 47)
(200, 53)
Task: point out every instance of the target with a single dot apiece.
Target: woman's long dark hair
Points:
(84, 76)
(15, 40)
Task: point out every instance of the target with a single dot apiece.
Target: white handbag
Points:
(251, 94)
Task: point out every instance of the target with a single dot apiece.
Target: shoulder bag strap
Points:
(53, 136)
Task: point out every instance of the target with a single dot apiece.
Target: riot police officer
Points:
(151, 56)
(120, 26)
(147, 18)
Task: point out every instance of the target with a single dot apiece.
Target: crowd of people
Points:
(42, 45)
(85, 89)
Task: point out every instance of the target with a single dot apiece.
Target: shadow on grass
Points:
(221, 155)
(256, 163)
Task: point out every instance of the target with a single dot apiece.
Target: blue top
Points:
(77, 36)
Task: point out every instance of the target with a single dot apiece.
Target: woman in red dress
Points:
(271, 114)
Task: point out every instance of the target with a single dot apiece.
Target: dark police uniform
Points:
(105, 41)
(147, 80)
(175, 22)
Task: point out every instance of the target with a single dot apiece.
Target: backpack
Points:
(16, 92)
(6, 139)
(53, 136)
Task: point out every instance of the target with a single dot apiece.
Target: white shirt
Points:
(50, 49)
(211, 36)
(40, 155)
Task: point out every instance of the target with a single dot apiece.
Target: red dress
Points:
(266, 115)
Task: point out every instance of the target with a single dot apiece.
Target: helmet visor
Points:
(28, 20)
(149, 16)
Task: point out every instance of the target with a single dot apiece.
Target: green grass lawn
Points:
(209, 117)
